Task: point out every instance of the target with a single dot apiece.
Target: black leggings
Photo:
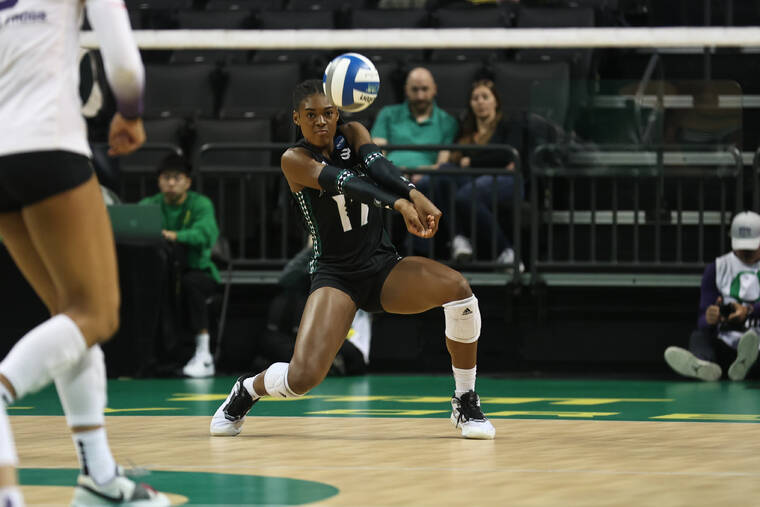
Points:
(197, 287)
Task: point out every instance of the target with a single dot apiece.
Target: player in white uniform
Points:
(55, 226)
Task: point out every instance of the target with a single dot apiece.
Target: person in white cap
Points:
(729, 310)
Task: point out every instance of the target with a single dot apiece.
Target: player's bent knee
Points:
(462, 320)
(460, 288)
(276, 381)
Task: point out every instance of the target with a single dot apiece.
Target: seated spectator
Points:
(189, 225)
(418, 120)
(729, 310)
(483, 124)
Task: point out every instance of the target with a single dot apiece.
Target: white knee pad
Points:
(82, 390)
(276, 381)
(462, 320)
(43, 354)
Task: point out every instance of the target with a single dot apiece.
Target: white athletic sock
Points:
(248, 384)
(202, 341)
(8, 454)
(82, 390)
(42, 354)
(464, 380)
(95, 458)
(11, 497)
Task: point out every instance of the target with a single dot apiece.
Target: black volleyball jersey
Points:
(346, 233)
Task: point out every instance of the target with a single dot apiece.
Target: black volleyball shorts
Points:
(28, 178)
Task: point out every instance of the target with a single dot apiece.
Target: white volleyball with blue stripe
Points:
(351, 82)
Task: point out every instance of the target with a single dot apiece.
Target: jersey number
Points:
(340, 200)
(7, 4)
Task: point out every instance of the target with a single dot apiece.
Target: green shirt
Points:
(195, 225)
(397, 125)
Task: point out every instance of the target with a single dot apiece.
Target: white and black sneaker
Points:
(467, 415)
(121, 490)
(229, 417)
(687, 364)
(746, 355)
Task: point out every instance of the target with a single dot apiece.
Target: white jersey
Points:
(740, 283)
(40, 108)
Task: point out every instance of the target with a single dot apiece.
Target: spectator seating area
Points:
(195, 98)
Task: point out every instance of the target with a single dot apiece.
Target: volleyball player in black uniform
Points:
(340, 182)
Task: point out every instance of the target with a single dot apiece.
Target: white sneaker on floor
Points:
(461, 249)
(507, 257)
(229, 417)
(467, 415)
(687, 364)
(121, 490)
(746, 355)
(200, 365)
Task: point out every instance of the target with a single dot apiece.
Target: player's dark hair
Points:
(306, 89)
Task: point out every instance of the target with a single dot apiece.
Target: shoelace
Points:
(469, 408)
(239, 405)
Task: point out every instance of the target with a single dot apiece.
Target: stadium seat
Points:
(390, 18)
(236, 196)
(295, 20)
(159, 4)
(211, 56)
(580, 60)
(321, 19)
(239, 5)
(179, 90)
(230, 19)
(480, 17)
(258, 90)
(541, 88)
(231, 131)
(316, 5)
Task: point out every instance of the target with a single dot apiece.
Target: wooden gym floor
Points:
(386, 441)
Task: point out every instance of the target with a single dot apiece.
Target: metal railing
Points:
(253, 204)
(658, 196)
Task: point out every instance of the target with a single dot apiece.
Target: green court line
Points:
(205, 488)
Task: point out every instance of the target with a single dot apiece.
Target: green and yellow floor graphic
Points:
(379, 441)
(428, 396)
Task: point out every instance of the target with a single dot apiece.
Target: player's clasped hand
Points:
(427, 212)
(125, 136)
(412, 219)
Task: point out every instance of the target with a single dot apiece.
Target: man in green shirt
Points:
(189, 222)
(418, 120)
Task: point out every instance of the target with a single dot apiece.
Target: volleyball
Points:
(351, 82)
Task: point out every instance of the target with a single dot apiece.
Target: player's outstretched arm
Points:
(303, 171)
(387, 175)
(121, 58)
(124, 71)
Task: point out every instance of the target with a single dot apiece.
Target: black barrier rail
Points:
(617, 208)
(259, 223)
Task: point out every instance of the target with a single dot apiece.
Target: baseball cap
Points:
(745, 231)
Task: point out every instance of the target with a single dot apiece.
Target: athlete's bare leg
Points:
(418, 284)
(20, 246)
(324, 325)
(64, 247)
